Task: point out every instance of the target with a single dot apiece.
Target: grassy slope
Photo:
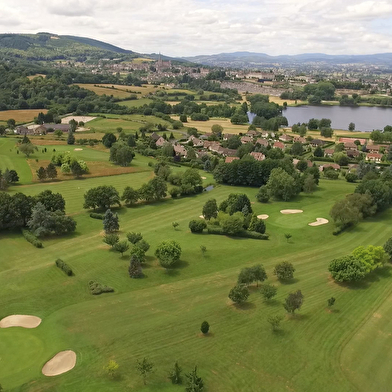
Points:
(159, 316)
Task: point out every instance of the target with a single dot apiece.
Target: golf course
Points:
(346, 348)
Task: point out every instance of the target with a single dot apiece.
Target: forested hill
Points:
(47, 46)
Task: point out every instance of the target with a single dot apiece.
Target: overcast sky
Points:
(192, 27)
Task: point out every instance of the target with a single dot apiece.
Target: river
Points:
(365, 118)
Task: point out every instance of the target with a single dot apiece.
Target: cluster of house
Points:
(41, 129)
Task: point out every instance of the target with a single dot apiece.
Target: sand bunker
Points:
(201, 216)
(204, 178)
(78, 149)
(291, 211)
(19, 320)
(319, 222)
(66, 120)
(263, 216)
(62, 362)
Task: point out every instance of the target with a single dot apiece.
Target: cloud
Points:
(191, 27)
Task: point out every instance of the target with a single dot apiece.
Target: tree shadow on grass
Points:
(273, 302)
(181, 264)
(245, 306)
(297, 316)
(289, 281)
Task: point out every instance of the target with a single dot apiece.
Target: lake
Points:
(365, 118)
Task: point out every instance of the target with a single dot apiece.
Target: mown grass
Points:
(20, 116)
(159, 317)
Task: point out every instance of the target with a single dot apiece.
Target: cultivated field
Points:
(159, 316)
(205, 126)
(20, 116)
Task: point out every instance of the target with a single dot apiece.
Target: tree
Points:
(51, 171)
(344, 214)
(71, 138)
(287, 236)
(302, 165)
(284, 271)
(27, 149)
(297, 149)
(159, 187)
(318, 152)
(268, 291)
(58, 133)
(259, 274)
(205, 327)
(257, 224)
(41, 174)
(210, 209)
(175, 374)
(135, 267)
(313, 124)
(239, 294)
(217, 130)
(351, 127)
(144, 368)
(121, 247)
(111, 239)
(11, 123)
(130, 196)
(51, 201)
(11, 176)
(347, 269)
(112, 368)
(371, 257)
(197, 226)
(168, 253)
(309, 184)
(110, 222)
(326, 131)
(246, 277)
(121, 154)
(175, 225)
(293, 302)
(263, 194)
(231, 224)
(203, 249)
(109, 139)
(275, 321)
(351, 177)
(388, 247)
(194, 382)
(133, 238)
(101, 197)
(331, 301)
(281, 185)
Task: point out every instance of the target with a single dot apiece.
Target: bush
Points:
(95, 215)
(263, 195)
(97, 288)
(197, 226)
(243, 233)
(239, 294)
(284, 270)
(64, 267)
(351, 177)
(30, 237)
(347, 269)
(205, 327)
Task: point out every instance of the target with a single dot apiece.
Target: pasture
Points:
(159, 316)
(205, 126)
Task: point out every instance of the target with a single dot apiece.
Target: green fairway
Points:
(159, 316)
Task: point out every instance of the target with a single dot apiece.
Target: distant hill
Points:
(47, 46)
(253, 60)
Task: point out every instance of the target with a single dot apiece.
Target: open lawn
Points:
(137, 102)
(20, 116)
(347, 349)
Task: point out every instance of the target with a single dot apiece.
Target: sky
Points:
(195, 27)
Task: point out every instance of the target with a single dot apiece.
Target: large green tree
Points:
(101, 197)
(281, 185)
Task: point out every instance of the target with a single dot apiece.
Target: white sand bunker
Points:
(201, 216)
(263, 216)
(204, 178)
(62, 362)
(19, 320)
(291, 212)
(78, 149)
(319, 222)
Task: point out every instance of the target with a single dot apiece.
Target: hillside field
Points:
(159, 316)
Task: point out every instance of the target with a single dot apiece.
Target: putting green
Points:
(294, 221)
(21, 353)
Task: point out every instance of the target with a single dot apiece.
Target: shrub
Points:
(347, 269)
(197, 226)
(133, 238)
(351, 177)
(64, 267)
(205, 327)
(30, 237)
(268, 291)
(239, 294)
(243, 233)
(97, 288)
(284, 270)
(95, 215)
(263, 194)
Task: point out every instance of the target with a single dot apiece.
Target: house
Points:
(50, 127)
(279, 145)
(266, 134)
(196, 141)
(22, 130)
(262, 142)
(350, 146)
(252, 133)
(227, 152)
(258, 156)
(154, 136)
(353, 153)
(334, 166)
(317, 142)
(374, 157)
(375, 148)
(328, 152)
(207, 143)
(227, 136)
(295, 161)
(180, 150)
(230, 159)
(160, 142)
(300, 139)
(246, 139)
(215, 147)
(285, 138)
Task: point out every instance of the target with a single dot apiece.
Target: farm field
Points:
(205, 126)
(20, 116)
(159, 316)
(137, 102)
(106, 90)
